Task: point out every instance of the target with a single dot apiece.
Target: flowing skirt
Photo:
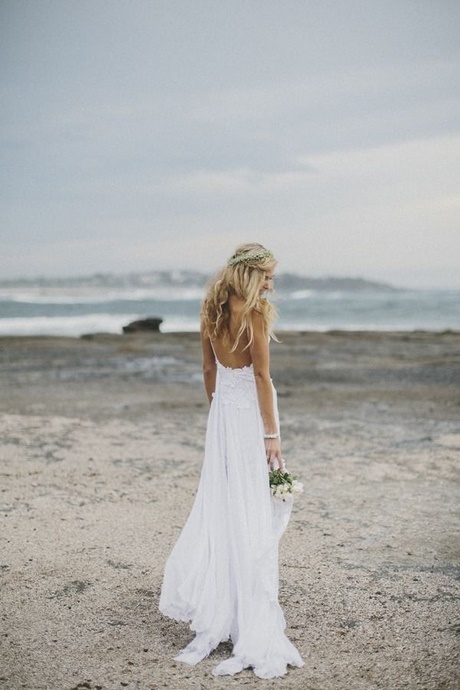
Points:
(222, 574)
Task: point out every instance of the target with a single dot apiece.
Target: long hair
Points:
(243, 276)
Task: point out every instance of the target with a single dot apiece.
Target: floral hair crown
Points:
(250, 256)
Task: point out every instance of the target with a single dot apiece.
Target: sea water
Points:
(73, 310)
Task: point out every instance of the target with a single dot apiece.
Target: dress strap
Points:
(215, 356)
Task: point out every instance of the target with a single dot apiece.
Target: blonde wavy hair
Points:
(243, 276)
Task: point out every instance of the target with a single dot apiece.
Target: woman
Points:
(222, 574)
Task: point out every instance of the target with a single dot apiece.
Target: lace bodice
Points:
(236, 386)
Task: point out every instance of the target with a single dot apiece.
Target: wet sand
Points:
(101, 446)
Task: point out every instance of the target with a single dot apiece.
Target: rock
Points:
(151, 325)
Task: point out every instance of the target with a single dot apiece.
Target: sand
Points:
(101, 446)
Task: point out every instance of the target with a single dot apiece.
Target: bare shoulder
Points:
(259, 346)
(206, 347)
(258, 321)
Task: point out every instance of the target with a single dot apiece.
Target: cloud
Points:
(173, 129)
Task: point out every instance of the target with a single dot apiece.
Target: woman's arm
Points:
(261, 362)
(209, 365)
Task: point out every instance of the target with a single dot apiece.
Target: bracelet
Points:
(268, 436)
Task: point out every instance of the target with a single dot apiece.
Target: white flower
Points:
(283, 486)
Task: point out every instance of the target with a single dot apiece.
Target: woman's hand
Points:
(273, 453)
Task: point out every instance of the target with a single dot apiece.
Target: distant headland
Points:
(285, 282)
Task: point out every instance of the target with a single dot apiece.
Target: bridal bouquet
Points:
(284, 486)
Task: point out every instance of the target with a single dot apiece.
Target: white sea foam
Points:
(181, 325)
(66, 325)
(302, 294)
(82, 295)
(87, 323)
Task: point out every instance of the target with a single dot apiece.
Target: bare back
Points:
(240, 357)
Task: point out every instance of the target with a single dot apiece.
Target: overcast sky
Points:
(151, 134)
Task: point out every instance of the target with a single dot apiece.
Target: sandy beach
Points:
(101, 446)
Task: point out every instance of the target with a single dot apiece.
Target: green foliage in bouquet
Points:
(284, 485)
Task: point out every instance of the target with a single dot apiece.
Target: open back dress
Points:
(222, 574)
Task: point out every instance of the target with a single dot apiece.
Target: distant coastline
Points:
(285, 282)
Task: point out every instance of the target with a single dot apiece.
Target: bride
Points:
(222, 574)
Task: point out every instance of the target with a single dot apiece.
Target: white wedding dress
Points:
(222, 574)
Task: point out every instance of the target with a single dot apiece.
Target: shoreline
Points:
(289, 331)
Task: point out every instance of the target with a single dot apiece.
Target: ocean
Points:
(105, 303)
